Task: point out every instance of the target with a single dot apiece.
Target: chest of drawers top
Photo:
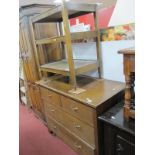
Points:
(97, 91)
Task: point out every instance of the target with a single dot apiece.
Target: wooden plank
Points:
(62, 67)
(87, 68)
(32, 29)
(51, 40)
(98, 46)
(47, 14)
(87, 8)
(74, 36)
(68, 45)
(84, 35)
(74, 10)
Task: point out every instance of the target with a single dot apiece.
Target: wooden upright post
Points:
(68, 45)
(98, 45)
(32, 29)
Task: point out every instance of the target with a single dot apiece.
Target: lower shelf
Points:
(62, 67)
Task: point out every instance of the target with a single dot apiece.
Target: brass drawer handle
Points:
(54, 127)
(77, 126)
(50, 95)
(52, 110)
(75, 109)
(77, 146)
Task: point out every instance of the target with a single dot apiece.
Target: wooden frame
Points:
(63, 13)
(129, 72)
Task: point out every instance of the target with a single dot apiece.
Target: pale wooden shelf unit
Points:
(69, 67)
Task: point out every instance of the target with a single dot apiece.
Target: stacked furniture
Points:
(71, 100)
(57, 89)
(67, 66)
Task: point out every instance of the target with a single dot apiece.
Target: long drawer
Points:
(81, 129)
(74, 142)
(78, 110)
(50, 96)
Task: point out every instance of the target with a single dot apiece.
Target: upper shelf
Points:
(74, 36)
(62, 67)
(55, 13)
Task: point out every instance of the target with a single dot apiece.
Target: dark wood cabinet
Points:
(27, 54)
(117, 136)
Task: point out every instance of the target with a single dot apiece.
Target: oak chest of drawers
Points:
(73, 117)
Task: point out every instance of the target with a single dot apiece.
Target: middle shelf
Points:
(62, 67)
(74, 36)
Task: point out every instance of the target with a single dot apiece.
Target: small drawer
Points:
(51, 111)
(78, 110)
(81, 129)
(50, 96)
(124, 147)
(74, 142)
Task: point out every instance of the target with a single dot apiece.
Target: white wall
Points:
(124, 13)
(112, 62)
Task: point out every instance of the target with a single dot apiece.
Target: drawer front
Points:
(50, 96)
(75, 143)
(78, 110)
(81, 129)
(124, 147)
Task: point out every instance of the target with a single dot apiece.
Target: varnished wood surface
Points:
(74, 36)
(62, 67)
(75, 9)
(27, 51)
(29, 10)
(115, 117)
(78, 127)
(117, 136)
(80, 146)
(97, 90)
(129, 72)
(128, 51)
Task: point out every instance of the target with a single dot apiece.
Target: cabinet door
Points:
(29, 59)
(39, 103)
(123, 146)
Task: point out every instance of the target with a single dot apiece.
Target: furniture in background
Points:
(129, 72)
(27, 53)
(117, 136)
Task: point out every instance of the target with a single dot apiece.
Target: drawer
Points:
(81, 129)
(50, 96)
(74, 142)
(51, 111)
(124, 147)
(78, 110)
